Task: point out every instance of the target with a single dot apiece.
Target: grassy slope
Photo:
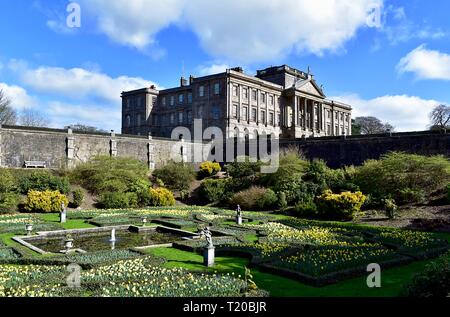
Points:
(392, 279)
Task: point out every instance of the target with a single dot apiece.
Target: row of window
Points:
(185, 117)
(181, 96)
(254, 93)
(337, 131)
(263, 117)
(135, 102)
(338, 116)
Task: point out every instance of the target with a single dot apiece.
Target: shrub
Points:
(77, 197)
(43, 181)
(161, 197)
(46, 201)
(7, 181)
(343, 206)
(116, 200)
(448, 192)
(306, 209)
(243, 169)
(291, 169)
(110, 174)
(433, 282)
(408, 195)
(208, 169)
(176, 176)
(403, 176)
(250, 199)
(390, 207)
(9, 202)
(268, 201)
(213, 190)
(141, 188)
(282, 202)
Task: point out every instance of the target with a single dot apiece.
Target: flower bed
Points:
(101, 257)
(261, 251)
(129, 278)
(320, 261)
(8, 254)
(279, 233)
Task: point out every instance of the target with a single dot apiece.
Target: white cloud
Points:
(400, 28)
(405, 113)
(19, 96)
(205, 70)
(64, 114)
(248, 31)
(426, 64)
(134, 22)
(76, 82)
(59, 26)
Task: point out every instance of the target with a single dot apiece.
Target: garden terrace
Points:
(280, 248)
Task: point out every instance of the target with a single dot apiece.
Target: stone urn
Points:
(144, 221)
(68, 243)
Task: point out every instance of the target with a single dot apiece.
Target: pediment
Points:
(309, 87)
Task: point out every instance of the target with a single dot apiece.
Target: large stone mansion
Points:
(281, 101)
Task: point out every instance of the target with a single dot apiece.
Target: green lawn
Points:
(70, 224)
(6, 238)
(392, 279)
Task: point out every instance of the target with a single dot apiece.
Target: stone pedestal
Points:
(63, 217)
(239, 220)
(209, 256)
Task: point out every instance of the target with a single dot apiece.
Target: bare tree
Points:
(372, 125)
(440, 117)
(30, 118)
(7, 114)
(85, 128)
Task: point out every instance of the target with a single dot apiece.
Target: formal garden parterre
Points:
(301, 228)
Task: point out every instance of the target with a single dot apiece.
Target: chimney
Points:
(183, 82)
(191, 79)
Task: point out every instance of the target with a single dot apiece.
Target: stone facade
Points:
(279, 101)
(67, 148)
(60, 148)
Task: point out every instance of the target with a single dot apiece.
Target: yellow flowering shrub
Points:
(343, 206)
(46, 201)
(161, 197)
(209, 168)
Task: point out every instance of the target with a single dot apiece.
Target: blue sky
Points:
(397, 70)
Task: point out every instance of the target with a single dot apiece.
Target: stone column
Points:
(113, 144)
(305, 112)
(295, 114)
(151, 153)
(70, 150)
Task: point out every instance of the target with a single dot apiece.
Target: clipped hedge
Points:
(343, 206)
(161, 197)
(46, 201)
